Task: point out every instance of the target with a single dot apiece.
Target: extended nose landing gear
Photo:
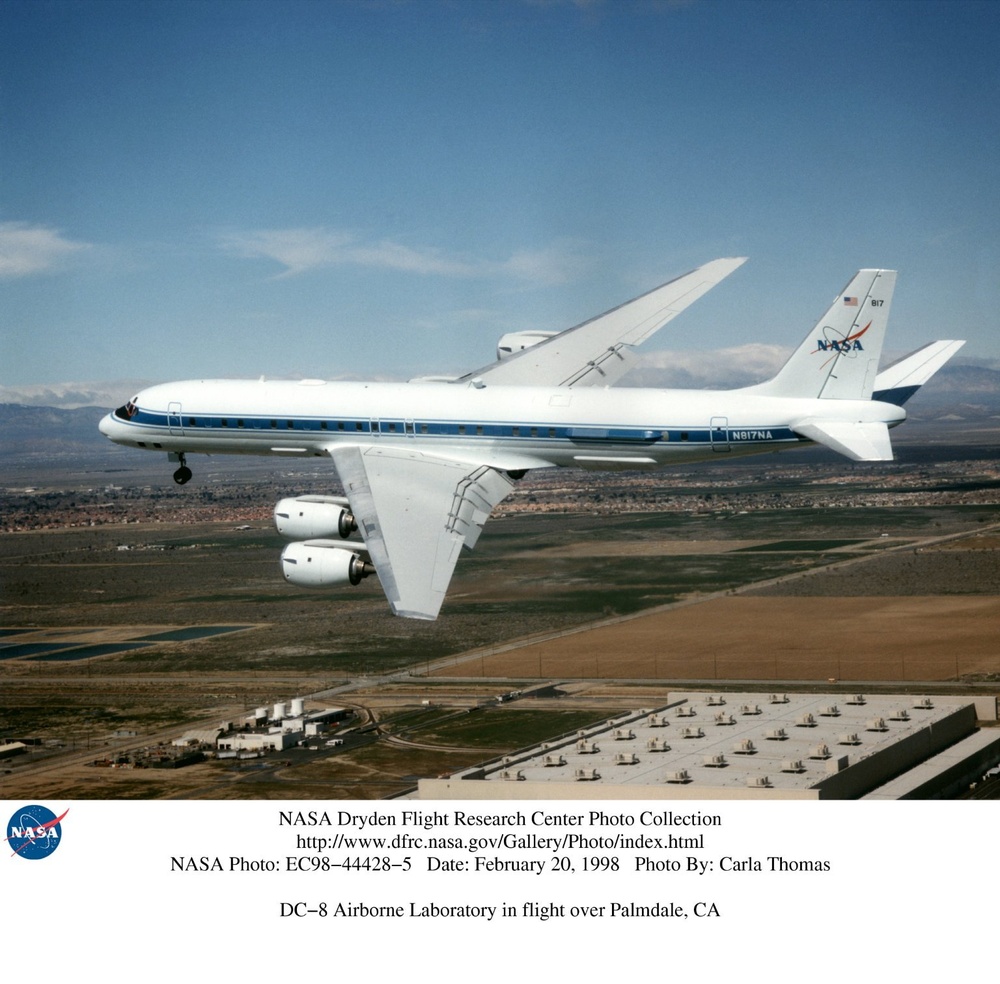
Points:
(183, 474)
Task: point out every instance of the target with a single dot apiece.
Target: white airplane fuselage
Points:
(512, 428)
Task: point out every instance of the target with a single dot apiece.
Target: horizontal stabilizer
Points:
(898, 382)
(855, 440)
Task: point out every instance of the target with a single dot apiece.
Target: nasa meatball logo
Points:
(34, 832)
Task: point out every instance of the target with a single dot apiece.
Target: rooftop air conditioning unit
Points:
(716, 700)
(724, 719)
(626, 758)
(657, 745)
(830, 712)
(586, 775)
(715, 761)
(681, 775)
(759, 782)
(692, 733)
(806, 721)
(793, 765)
(776, 734)
(745, 747)
(877, 724)
(819, 751)
(849, 738)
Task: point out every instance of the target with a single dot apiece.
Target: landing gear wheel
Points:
(183, 475)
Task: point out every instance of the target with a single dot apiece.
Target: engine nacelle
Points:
(322, 564)
(517, 341)
(314, 516)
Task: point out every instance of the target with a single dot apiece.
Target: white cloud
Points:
(71, 396)
(303, 250)
(27, 249)
(742, 365)
(551, 266)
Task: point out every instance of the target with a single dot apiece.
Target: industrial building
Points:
(703, 746)
(281, 727)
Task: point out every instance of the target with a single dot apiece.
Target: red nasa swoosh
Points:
(850, 338)
(31, 840)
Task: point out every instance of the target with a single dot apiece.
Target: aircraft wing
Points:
(598, 352)
(415, 511)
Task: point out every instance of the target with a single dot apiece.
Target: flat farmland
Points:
(791, 585)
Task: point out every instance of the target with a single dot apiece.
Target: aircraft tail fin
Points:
(838, 360)
(898, 382)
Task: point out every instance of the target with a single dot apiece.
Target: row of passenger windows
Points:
(376, 427)
(411, 427)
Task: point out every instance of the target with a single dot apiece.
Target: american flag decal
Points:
(850, 302)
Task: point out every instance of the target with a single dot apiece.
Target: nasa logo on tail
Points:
(34, 832)
(846, 345)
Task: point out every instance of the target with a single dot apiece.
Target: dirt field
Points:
(746, 638)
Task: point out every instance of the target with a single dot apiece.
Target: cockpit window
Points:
(128, 411)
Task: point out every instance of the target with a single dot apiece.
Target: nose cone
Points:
(113, 429)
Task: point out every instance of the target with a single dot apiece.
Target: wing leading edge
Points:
(415, 512)
(598, 352)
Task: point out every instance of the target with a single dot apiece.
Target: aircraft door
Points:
(174, 419)
(719, 433)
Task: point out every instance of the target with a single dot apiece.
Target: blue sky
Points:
(200, 189)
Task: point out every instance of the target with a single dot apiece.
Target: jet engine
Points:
(314, 516)
(323, 564)
(517, 341)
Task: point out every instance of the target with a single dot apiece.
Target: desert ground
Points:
(592, 603)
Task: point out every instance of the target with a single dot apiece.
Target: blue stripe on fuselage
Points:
(196, 425)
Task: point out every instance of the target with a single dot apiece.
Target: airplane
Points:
(423, 463)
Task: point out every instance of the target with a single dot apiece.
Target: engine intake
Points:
(517, 341)
(309, 517)
(323, 564)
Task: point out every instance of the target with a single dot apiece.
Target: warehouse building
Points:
(752, 746)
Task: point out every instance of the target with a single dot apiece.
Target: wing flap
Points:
(415, 512)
